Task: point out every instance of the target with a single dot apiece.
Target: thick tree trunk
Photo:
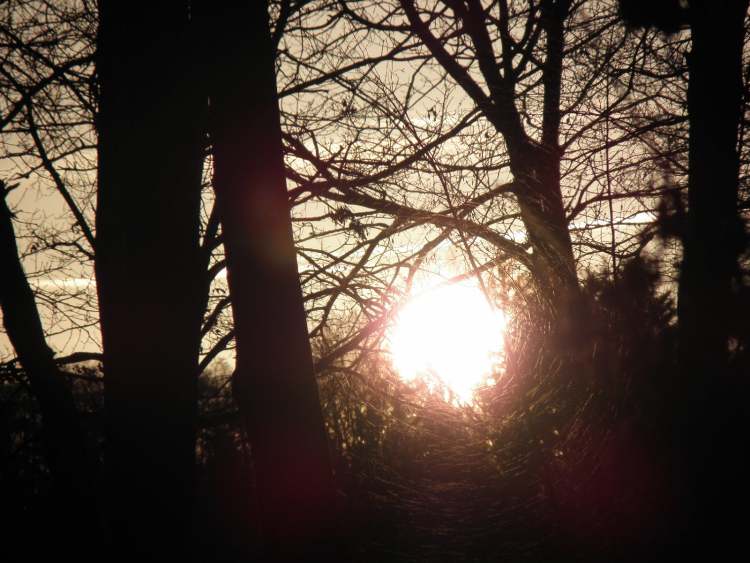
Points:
(274, 382)
(713, 237)
(70, 460)
(714, 417)
(148, 271)
(537, 173)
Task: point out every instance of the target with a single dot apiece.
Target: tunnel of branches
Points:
(541, 150)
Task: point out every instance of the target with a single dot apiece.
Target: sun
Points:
(450, 333)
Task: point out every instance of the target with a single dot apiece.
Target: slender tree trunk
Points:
(70, 460)
(149, 271)
(275, 385)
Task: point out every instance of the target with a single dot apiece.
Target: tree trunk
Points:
(70, 460)
(714, 418)
(536, 168)
(537, 173)
(275, 386)
(149, 271)
(713, 237)
(535, 164)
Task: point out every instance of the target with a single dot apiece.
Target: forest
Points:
(374, 280)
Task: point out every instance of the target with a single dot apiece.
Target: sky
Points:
(68, 293)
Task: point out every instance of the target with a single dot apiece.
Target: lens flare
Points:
(450, 333)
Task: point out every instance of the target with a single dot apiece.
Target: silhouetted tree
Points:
(149, 271)
(712, 231)
(69, 458)
(274, 383)
(711, 416)
(713, 236)
(382, 170)
(455, 184)
(500, 62)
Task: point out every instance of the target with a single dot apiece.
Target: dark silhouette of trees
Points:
(498, 65)
(325, 158)
(459, 182)
(274, 383)
(710, 415)
(712, 232)
(69, 456)
(46, 104)
(535, 163)
(149, 272)
(714, 235)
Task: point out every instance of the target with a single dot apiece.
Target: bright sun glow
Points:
(450, 333)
